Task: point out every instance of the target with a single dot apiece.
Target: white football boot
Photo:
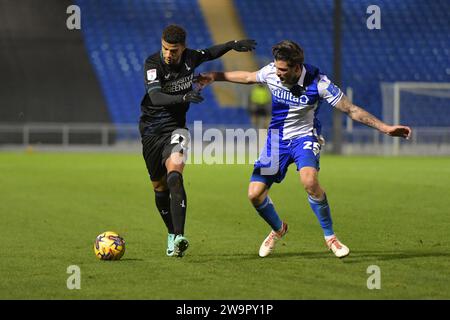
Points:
(269, 242)
(338, 248)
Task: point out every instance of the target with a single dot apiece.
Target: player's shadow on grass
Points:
(277, 255)
(231, 256)
(131, 259)
(360, 256)
(363, 256)
(354, 257)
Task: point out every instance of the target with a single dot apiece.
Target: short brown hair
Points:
(174, 34)
(288, 51)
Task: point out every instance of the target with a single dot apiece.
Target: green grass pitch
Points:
(392, 212)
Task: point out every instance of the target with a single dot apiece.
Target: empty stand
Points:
(119, 36)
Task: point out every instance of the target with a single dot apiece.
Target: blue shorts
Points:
(273, 162)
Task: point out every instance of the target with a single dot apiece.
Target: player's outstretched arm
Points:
(361, 115)
(243, 45)
(243, 77)
(238, 45)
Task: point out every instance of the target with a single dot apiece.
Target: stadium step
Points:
(224, 24)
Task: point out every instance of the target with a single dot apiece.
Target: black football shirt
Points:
(172, 80)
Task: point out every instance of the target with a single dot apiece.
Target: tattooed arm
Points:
(361, 115)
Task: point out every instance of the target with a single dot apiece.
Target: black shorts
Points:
(156, 149)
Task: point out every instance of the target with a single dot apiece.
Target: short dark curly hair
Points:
(288, 51)
(174, 34)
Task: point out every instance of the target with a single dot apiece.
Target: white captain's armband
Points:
(329, 91)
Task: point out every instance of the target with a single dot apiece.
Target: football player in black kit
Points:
(169, 75)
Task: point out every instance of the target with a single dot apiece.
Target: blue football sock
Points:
(322, 211)
(267, 211)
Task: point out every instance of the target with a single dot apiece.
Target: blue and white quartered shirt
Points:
(296, 116)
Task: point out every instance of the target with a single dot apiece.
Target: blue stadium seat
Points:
(412, 45)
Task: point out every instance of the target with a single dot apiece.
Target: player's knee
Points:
(175, 180)
(310, 184)
(308, 178)
(159, 186)
(255, 197)
(252, 196)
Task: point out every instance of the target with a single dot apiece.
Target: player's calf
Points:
(162, 201)
(178, 201)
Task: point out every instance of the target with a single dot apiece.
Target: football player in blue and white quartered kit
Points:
(294, 135)
(295, 130)
(294, 121)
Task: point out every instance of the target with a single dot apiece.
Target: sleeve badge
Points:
(151, 74)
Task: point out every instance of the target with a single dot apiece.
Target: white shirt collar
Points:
(302, 77)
